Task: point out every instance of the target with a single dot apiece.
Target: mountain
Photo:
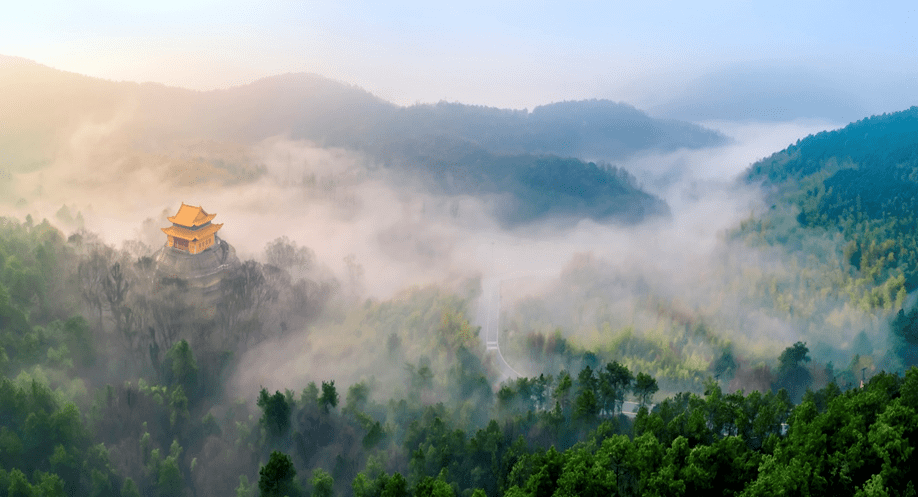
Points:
(494, 151)
(590, 129)
(316, 108)
(861, 182)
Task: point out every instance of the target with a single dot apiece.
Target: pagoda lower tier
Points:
(191, 241)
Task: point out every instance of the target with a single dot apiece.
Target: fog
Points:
(671, 270)
(337, 202)
(380, 232)
(394, 291)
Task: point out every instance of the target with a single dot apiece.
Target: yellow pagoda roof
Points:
(187, 234)
(190, 215)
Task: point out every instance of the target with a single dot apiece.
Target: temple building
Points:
(191, 230)
(194, 254)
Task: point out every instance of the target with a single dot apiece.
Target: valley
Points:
(447, 298)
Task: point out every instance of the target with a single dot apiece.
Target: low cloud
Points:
(379, 232)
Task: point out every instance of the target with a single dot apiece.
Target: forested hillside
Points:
(860, 182)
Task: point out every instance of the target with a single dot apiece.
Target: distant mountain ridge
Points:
(497, 151)
(316, 108)
(872, 147)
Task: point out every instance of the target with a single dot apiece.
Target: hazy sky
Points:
(506, 53)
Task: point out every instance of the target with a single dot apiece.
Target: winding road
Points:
(487, 315)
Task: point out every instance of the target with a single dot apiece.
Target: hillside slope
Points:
(861, 182)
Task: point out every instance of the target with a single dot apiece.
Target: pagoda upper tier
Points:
(191, 216)
(191, 229)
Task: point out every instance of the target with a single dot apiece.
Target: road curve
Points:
(487, 315)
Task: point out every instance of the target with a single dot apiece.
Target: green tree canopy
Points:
(275, 412)
(329, 398)
(278, 477)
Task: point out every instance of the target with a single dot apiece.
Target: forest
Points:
(115, 387)
(858, 181)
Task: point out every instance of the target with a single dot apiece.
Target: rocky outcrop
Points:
(202, 271)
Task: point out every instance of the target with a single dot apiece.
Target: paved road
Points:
(487, 315)
(630, 408)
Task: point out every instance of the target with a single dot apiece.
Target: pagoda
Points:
(194, 257)
(191, 230)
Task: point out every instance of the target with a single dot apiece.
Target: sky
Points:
(516, 54)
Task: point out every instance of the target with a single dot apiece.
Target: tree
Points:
(169, 482)
(243, 294)
(792, 375)
(181, 368)
(285, 254)
(562, 393)
(357, 396)
(92, 274)
(79, 340)
(586, 380)
(355, 273)
(310, 394)
(275, 412)
(546, 469)
(397, 486)
(904, 335)
(506, 396)
(793, 356)
(278, 477)
(420, 377)
(644, 387)
(323, 485)
(586, 405)
(541, 391)
(614, 381)
(129, 489)
(725, 365)
(862, 343)
(115, 287)
(162, 316)
(434, 487)
(329, 397)
(245, 489)
(19, 485)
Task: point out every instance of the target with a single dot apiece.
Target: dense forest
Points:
(529, 188)
(859, 183)
(115, 387)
